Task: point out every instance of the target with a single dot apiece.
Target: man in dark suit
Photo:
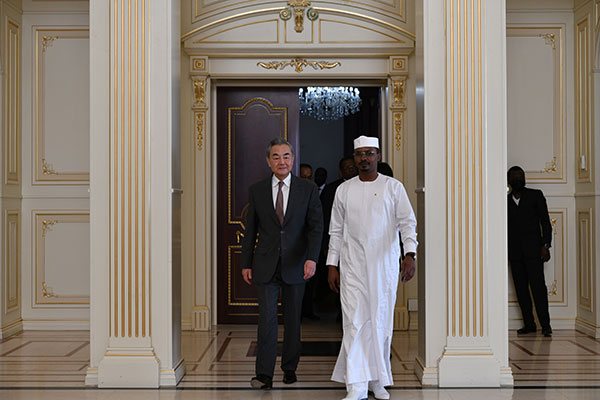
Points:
(529, 240)
(285, 214)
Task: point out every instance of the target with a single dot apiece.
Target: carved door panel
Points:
(247, 119)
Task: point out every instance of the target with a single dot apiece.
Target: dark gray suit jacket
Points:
(298, 240)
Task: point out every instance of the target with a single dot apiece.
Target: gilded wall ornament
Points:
(47, 291)
(549, 38)
(47, 42)
(199, 91)
(398, 117)
(299, 64)
(550, 167)
(47, 225)
(47, 168)
(553, 290)
(200, 130)
(398, 91)
(298, 7)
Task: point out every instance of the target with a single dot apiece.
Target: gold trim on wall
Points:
(275, 40)
(12, 102)
(464, 169)
(585, 260)
(368, 28)
(583, 91)
(44, 171)
(129, 269)
(299, 64)
(44, 294)
(552, 36)
(12, 260)
(398, 9)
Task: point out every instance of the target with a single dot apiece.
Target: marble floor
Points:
(220, 363)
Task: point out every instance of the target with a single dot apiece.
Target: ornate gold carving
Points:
(549, 38)
(47, 168)
(553, 222)
(550, 167)
(398, 63)
(199, 64)
(298, 6)
(398, 91)
(200, 129)
(47, 291)
(553, 290)
(47, 226)
(47, 42)
(398, 120)
(199, 91)
(299, 64)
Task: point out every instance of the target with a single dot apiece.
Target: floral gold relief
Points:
(299, 64)
(199, 92)
(47, 41)
(298, 7)
(200, 129)
(398, 121)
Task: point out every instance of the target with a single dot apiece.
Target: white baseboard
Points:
(588, 328)
(91, 378)
(11, 329)
(427, 376)
(506, 377)
(187, 325)
(55, 325)
(171, 377)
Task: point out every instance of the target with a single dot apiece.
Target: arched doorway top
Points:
(269, 26)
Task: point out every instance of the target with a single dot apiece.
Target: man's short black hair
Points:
(341, 163)
(514, 168)
(305, 166)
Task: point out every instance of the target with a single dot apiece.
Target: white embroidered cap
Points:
(366, 141)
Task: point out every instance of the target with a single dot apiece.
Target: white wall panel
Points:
(61, 105)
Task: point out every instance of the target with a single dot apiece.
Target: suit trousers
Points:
(291, 298)
(530, 273)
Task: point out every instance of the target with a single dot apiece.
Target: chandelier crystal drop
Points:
(329, 103)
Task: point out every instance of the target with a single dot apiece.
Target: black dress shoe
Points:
(526, 329)
(289, 377)
(262, 382)
(547, 332)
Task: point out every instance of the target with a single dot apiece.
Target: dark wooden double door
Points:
(247, 119)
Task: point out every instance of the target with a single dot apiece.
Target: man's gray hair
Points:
(278, 141)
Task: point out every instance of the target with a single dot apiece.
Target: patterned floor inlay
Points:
(220, 363)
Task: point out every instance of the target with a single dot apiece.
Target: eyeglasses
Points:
(368, 153)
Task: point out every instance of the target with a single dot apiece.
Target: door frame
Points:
(200, 80)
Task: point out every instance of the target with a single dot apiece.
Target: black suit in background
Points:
(529, 230)
(277, 263)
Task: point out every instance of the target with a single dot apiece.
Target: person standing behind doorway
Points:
(306, 172)
(285, 214)
(529, 240)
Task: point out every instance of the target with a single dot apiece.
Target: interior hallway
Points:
(220, 363)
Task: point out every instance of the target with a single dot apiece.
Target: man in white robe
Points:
(368, 212)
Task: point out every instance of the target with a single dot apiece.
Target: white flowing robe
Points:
(365, 220)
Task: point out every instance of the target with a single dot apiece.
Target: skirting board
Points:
(56, 325)
(171, 377)
(588, 328)
(427, 376)
(11, 329)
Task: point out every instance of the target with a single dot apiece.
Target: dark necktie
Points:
(279, 204)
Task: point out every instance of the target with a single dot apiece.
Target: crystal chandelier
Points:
(329, 103)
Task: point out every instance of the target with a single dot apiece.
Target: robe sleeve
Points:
(406, 221)
(336, 225)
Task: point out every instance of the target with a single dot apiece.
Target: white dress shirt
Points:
(285, 190)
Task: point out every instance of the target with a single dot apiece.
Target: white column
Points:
(135, 281)
(465, 158)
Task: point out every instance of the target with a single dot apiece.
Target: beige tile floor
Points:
(219, 364)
